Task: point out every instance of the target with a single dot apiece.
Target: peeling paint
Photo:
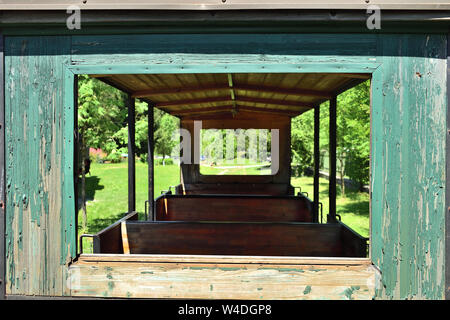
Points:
(307, 290)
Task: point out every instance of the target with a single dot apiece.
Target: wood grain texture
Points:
(110, 238)
(233, 208)
(408, 137)
(274, 189)
(40, 197)
(238, 238)
(272, 50)
(214, 278)
(408, 166)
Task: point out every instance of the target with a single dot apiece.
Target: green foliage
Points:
(164, 134)
(166, 162)
(101, 113)
(302, 141)
(102, 121)
(353, 133)
(353, 125)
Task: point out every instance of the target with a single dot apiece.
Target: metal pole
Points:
(332, 172)
(316, 161)
(150, 160)
(131, 155)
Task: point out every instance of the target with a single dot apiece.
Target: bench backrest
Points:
(233, 208)
(237, 238)
(109, 240)
(274, 189)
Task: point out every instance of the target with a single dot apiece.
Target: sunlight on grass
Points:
(353, 208)
(107, 193)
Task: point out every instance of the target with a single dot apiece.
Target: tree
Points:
(354, 126)
(353, 135)
(302, 140)
(100, 114)
(163, 136)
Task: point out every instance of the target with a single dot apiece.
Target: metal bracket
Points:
(321, 211)
(94, 236)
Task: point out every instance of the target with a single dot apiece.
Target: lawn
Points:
(107, 187)
(250, 169)
(107, 191)
(353, 208)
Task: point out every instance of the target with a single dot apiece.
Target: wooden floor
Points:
(222, 277)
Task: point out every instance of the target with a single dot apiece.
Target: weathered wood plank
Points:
(219, 280)
(214, 259)
(110, 238)
(40, 233)
(225, 49)
(243, 238)
(2, 170)
(408, 171)
(274, 189)
(233, 208)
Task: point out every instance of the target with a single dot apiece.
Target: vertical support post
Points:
(316, 161)
(332, 172)
(76, 154)
(447, 183)
(131, 155)
(2, 173)
(150, 161)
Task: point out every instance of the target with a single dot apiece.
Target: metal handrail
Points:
(321, 211)
(146, 209)
(86, 236)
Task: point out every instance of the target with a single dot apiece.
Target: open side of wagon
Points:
(229, 222)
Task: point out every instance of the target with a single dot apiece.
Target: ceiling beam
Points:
(291, 113)
(233, 96)
(274, 102)
(244, 87)
(186, 102)
(201, 110)
(286, 91)
(205, 110)
(154, 92)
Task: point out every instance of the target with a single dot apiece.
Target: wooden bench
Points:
(109, 240)
(274, 189)
(233, 208)
(239, 238)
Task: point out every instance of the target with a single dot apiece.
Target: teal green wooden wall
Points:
(408, 165)
(408, 137)
(40, 215)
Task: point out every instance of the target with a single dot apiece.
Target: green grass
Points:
(107, 194)
(107, 191)
(235, 170)
(353, 208)
(237, 166)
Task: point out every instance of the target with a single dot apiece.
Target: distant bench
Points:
(274, 189)
(233, 208)
(238, 238)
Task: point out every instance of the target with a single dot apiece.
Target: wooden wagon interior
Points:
(259, 215)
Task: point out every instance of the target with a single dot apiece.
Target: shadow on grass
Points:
(92, 185)
(360, 208)
(98, 224)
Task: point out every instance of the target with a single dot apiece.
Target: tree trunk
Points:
(342, 172)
